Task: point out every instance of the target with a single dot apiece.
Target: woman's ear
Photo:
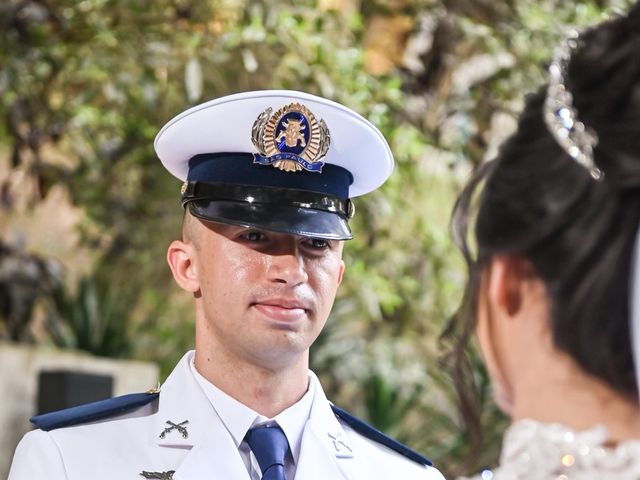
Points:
(181, 258)
(509, 279)
(490, 335)
(502, 302)
(512, 323)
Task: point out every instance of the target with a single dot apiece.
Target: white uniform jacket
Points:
(129, 445)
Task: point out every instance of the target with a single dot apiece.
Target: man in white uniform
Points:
(268, 178)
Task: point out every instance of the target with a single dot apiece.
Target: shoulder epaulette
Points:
(376, 435)
(90, 412)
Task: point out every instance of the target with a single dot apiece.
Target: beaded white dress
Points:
(539, 451)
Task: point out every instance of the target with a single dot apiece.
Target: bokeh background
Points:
(86, 211)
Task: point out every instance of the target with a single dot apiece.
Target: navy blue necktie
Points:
(269, 445)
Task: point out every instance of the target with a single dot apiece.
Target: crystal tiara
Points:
(561, 116)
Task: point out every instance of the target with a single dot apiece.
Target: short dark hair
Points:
(534, 201)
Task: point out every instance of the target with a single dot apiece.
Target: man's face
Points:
(263, 297)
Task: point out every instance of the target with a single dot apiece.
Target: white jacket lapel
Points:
(181, 400)
(210, 451)
(215, 458)
(325, 451)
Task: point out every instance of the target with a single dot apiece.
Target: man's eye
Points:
(318, 243)
(254, 236)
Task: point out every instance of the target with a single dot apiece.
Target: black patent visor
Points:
(284, 210)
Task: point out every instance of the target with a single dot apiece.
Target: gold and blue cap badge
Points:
(278, 160)
(290, 139)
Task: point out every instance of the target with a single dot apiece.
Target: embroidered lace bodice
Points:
(538, 451)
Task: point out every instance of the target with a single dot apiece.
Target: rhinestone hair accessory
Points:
(561, 116)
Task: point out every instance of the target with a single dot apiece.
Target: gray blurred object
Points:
(24, 279)
(58, 389)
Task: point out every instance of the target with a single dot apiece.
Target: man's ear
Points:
(508, 278)
(341, 272)
(181, 259)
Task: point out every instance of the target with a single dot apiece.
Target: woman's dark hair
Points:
(535, 202)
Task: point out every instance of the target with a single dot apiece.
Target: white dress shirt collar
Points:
(238, 418)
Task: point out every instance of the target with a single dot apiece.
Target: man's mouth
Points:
(282, 309)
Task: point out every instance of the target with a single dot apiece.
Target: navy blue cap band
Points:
(239, 168)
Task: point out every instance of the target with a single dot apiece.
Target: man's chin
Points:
(281, 352)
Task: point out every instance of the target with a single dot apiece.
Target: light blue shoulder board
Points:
(376, 435)
(92, 411)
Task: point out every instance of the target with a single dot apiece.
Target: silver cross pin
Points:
(158, 475)
(342, 449)
(175, 426)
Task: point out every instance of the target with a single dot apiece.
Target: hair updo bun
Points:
(604, 78)
(536, 202)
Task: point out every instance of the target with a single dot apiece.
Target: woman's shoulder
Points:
(532, 450)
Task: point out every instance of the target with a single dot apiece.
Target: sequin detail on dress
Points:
(538, 451)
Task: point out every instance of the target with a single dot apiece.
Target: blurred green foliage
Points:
(85, 86)
(94, 317)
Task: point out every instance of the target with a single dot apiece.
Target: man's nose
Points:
(288, 267)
